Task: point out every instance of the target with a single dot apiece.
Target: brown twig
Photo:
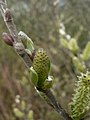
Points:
(56, 105)
(17, 44)
(20, 50)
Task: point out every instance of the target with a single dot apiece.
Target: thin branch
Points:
(17, 44)
(56, 105)
(20, 50)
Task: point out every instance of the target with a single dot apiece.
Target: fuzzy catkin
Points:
(41, 65)
(81, 99)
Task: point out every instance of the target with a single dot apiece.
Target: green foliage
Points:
(81, 99)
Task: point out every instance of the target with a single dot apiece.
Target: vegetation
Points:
(61, 28)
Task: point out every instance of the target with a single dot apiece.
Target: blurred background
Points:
(45, 22)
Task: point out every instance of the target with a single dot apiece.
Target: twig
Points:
(20, 50)
(17, 44)
(56, 105)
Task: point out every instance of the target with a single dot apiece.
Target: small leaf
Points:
(34, 76)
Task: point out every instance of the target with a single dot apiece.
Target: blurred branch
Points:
(20, 50)
(86, 117)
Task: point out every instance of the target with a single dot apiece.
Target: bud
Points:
(18, 113)
(8, 39)
(79, 65)
(23, 105)
(73, 46)
(30, 115)
(8, 15)
(64, 43)
(86, 52)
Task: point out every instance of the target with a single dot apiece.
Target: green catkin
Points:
(81, 99)
(79, 64)
(73, 46)
(41, 65)
(86, 52)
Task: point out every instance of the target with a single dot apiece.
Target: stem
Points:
(56, 105)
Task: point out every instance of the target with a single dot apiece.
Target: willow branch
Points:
(20, 50)
(56, 105)
(17, 44)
